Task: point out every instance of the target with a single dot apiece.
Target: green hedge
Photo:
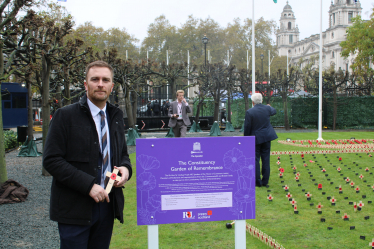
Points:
(304, 112)
(10, 140)
(352, 112)
(206, 110)
(238, 112)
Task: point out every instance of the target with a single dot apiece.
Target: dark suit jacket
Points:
(257, 123)
(173, 109)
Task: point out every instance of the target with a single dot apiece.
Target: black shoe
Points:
(258, 185)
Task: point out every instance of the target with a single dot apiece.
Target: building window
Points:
(346, 67)
(289, 25)
(350, 15)
(333, 19)
(285, 14)
(290, 39)
(333, 54)
(332, 35)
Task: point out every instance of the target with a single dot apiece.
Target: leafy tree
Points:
(360, 42)
(332, 82)
(284, 86)
(6, 66)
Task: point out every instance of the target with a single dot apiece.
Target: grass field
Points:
(277, 218)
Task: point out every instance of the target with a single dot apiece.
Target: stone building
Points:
(340, 14)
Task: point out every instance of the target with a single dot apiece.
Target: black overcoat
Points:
(71, 156)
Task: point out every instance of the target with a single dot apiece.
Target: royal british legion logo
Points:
(187, 215)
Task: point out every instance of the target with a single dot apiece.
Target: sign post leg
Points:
(152, 236)
(240, 238)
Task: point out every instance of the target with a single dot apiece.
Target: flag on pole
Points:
(275, 1)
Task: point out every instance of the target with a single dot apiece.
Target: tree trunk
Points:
(246, 101)
(229, 107)
(134, 105)
(286, 124)
(3, 172)
(30, 121)
(46, 72)
(199, 105)
(268, 94)
(128, 107)
(173, 90)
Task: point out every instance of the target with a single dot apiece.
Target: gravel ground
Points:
(27, 224)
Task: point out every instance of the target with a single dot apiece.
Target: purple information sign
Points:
(182, 180)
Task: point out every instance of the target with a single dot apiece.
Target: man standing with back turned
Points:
(178, 115)
(85, 140)
(257, 123)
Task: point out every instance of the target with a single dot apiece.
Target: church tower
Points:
(342, 11)
(288, 32)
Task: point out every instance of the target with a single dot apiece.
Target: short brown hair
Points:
(179, 91)
(99, 64)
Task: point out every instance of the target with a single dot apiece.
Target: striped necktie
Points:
(104, 144)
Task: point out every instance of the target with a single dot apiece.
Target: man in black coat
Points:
(257, 123)
(84, 142)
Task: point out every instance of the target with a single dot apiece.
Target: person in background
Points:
(257, 123)
(178, 115)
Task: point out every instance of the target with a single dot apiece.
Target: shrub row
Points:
(10, 140)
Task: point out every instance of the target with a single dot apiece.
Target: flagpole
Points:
(188, 71)
(253, 49)
(167, 64)
(320, 81)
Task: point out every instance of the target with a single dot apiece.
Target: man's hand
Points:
(184, 100)
(124, 176)
(98, 194)
(175, 115)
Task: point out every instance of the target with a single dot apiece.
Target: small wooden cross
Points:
(360, 204)
(112, 177)
(293, 202)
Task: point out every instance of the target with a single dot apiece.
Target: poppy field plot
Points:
(334, 194)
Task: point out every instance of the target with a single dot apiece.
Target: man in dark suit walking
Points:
(178, 115)
(257, 123)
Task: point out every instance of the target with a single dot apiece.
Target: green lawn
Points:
(276, 218)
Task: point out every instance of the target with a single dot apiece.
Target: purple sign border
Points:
(236, 157)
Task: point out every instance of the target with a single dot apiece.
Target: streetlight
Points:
(205, 41)
(262, 63)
